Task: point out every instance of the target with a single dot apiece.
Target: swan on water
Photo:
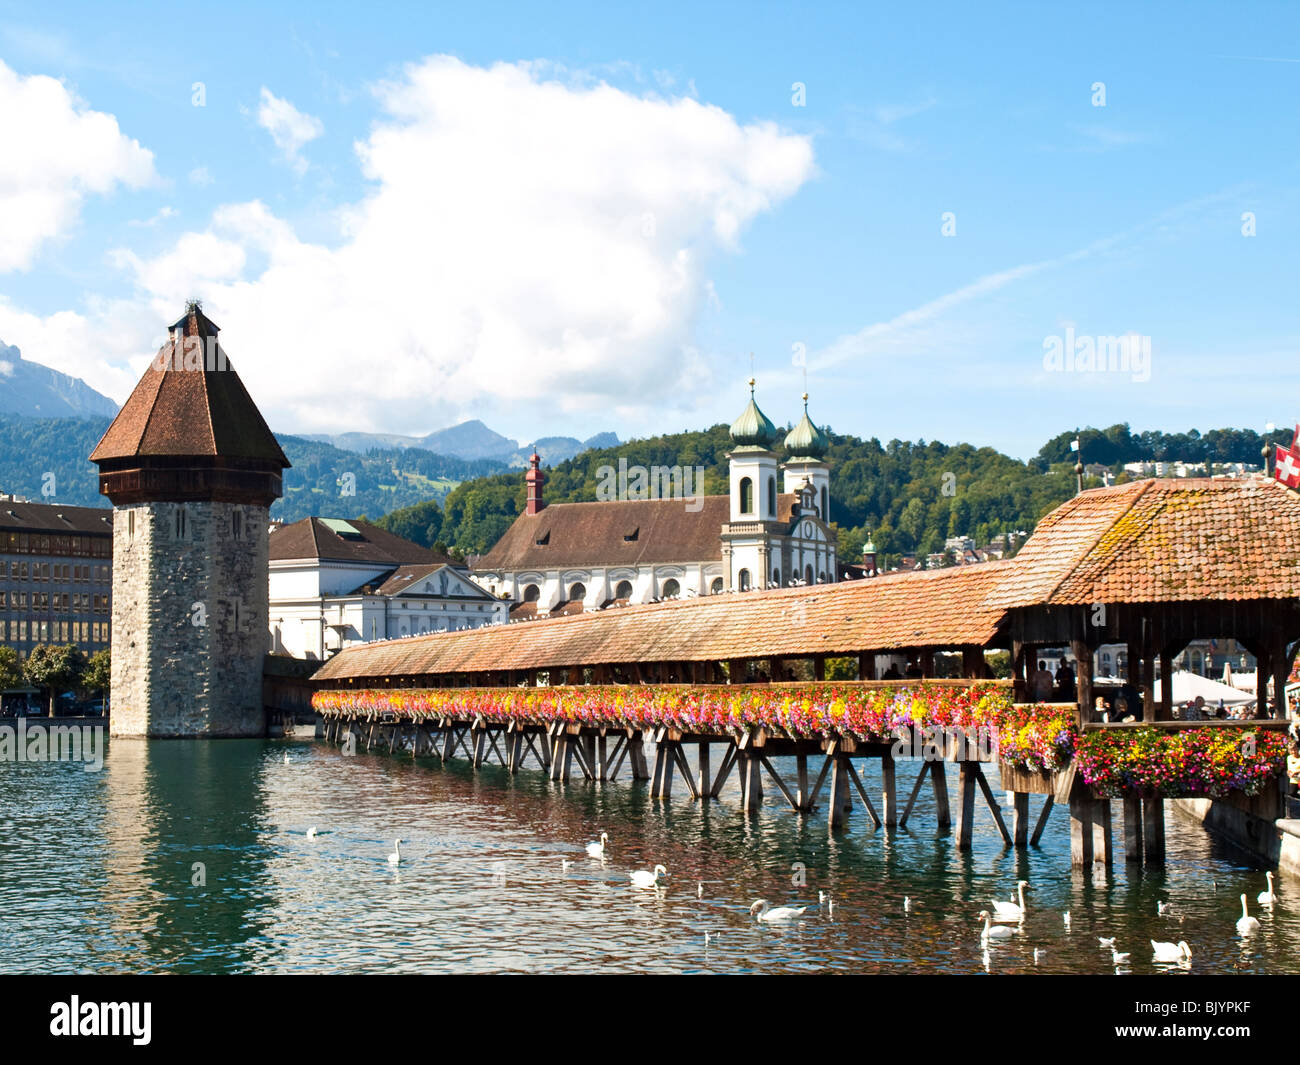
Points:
(396, 856)
(993, 931)
(907, 904)
(1105, 942)
(565, 865)
(699, 890)
(1267, 898)
(1170, 951)
(643, 879)
(1011, 911)
(768, 915)
(597, 850)
(1118, 958)
(286, 757)
(311, 832)
(1039, 954)
(1066, 918)
(1246, 924)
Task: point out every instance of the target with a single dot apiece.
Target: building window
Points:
(130, 524)
(771, 496)
(181, 523)
(744, 580)
(532, 593)
(577, 592)
(716, 587)
(671, 588)
(746, 496)
(624, 590)
(825, 515)
(776, 577)
(237, 524)
(807, 574)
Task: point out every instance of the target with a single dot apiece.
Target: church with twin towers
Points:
(772, 529)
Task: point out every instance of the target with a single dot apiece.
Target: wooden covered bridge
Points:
(1153, 564)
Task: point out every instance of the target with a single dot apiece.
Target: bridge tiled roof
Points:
(939, 608)
(1163, 540)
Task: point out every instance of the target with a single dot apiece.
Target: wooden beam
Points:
(1043, 814)
(1019, 817)
(841, 801)
(685, 768)
(705, 777)
(857, 783)
(724, 770)
(1132, 828)
(939, 779)
(966, 805)
(889, 790)
(916, 790)
(1165, 711)
(992, 803)
(776, 779)
(1153, 831)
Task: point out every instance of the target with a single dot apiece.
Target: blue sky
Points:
(573, 219)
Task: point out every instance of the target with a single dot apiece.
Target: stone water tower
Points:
(191, 469)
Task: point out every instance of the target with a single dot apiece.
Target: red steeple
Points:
(535, 478)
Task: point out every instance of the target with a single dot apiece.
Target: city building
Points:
(336, 583)
(567, 557)
(56, 575)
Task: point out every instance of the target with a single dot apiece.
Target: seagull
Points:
(311, 832)
(1267, 898)
(768, 915)
(1118, 958)
(1039, 954)
(1170, 951)
(1066, 918)
(699, 892)
(396, 856)
(647, 880)
(1246, 924)
(286, 757)
(1107, 942)
(597, 850)
(565, 864)
(907, 904)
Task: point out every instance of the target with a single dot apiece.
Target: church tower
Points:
(807, 446)
(191, 469)
(752, 466)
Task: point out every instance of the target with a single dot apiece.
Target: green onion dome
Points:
(805, 440)
(753, 428)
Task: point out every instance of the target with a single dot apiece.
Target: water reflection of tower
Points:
(191, 469)
(186, 882)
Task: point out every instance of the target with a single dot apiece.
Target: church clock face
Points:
(807, 530)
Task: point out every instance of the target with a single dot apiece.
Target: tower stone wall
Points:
(190, 619)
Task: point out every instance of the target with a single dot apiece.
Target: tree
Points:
(11, 670)
(98, 673)
(55, 668)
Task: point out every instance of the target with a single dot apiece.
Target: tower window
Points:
(771, 496)
(130, 524)
(237, 524)
(744, 580)
(746, 496)
(825, 514)
(776, 577)
(181, 526)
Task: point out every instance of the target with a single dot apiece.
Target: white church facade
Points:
(772, 529)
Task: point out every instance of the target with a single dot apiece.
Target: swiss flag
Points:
(1286, 466)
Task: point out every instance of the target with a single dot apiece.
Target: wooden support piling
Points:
(889, 792)
(729, 759)
(862, 791)
(993, 806)
(966, 805)
(1020, 818)
(841, 801)
(751, 781)
(1153, 830)
(1132, 828)
(705, 777)
(916, 790)
(939, 779)
(1043, 814)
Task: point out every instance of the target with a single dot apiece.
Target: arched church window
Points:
(532, 593)
(746, 496)
(624, 590)
(807, 574)
(744, 580)
(577, 591)
(716, 586)
(771, 496)
(671, 588)
(776, 577)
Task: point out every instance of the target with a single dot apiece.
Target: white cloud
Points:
(200, 176)
(527, 242)
(289, 128)
(162, 215)
(56, 152)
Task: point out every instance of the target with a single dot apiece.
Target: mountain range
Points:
(471, 440)
(35, 390)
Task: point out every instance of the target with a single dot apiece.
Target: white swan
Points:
(1011, 911)
(286, 757)
(1039, 954)
(311, 832)
(699, 890)
(1066, 918)
(993, 931)
(565, 865)
(1170, 951)
(597, 850)
(1246, 924)
(1118, 958)
(1267, 898)
(907, 904)
(768, 915)
(643, 879)
(396, 856)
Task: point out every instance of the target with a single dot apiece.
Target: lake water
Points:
(97, 874)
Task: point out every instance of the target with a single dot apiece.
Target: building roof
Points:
(203, 411)
(753, 429)
(939, 608)
(314, 538)
(805, 440)
(404, 577)
(629, 533)
(55, 518)
(1164, 540)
